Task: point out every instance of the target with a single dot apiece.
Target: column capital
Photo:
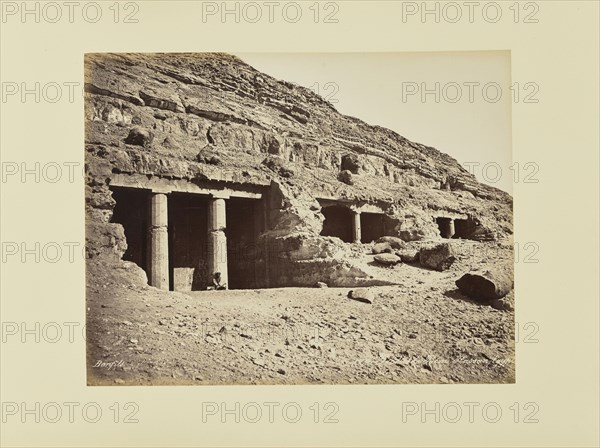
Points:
(220, 195)
(161, 190)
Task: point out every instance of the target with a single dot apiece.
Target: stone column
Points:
(451, 230)
(158, 242)
(217, 240)
(356, 229)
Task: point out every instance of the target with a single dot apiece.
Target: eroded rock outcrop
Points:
(212, 119)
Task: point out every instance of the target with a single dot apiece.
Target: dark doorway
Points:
(244, 223)
(372, 226)
(131, 211)
(338, 222)
(464, 228)
(188, 236)
(445, 227)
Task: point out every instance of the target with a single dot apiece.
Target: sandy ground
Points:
(421, 330)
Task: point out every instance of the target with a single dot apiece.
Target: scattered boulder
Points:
(393, 241)
(387, 259)
(139, 136)
(381, 248)
(439, 257)
(362, 295)
(321, 285)
(408, 255)
(346, 177)
(486, 286)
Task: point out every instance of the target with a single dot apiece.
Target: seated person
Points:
(217, 284)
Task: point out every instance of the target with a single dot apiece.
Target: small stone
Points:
(281, 371)
(126, 322)
(321, 285)
(211, 339)
(133, 341)
(258, 361)
(387, 259)
(362, 295)
(119, 381)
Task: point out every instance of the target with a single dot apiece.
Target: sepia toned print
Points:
(240, 230)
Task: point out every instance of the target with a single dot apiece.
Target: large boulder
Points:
(408, 255)
(387, 259)
(485, 286)
(439, 257)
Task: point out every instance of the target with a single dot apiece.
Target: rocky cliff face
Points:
(211, 117)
